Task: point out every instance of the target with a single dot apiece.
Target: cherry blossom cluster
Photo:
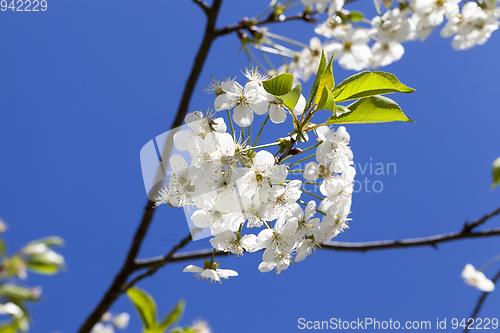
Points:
(247, 196)
(379, 41)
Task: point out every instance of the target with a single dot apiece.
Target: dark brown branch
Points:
(348, 246)
(247, 24)
(412, 242)
(199, 62)
(272, 18)
(204, 6)
(129, 266)
(338, 246)
(470, 226)
(160, 263)
(481, 301)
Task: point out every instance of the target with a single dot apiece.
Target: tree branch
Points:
(129, 266)
(411, 242)
(247, 23)
(349, 246)
(160, 263)
(480, 302)
(470, 226)
(204, 6)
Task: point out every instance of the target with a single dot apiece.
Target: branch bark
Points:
(354, 247)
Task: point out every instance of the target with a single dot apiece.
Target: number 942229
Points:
(23, 5)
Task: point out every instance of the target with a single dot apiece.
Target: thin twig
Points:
(475, 224)
(203, 6)
(160, 263)
(411, 242)
(246, 24)
(480, 302)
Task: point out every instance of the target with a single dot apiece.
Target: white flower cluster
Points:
(233, 188)
(470, 25)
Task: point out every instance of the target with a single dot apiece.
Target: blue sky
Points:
(84, 85)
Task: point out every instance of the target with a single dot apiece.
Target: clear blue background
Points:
(84, 85)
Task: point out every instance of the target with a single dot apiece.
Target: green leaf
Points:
(17, 293)
(495, 172)
(3, 248)
(356, 16)
(8, 328)
(367, 84)
(327, 101)
(299, 136)
(375, 109)
(291, 99)
(47, 262)
(317, 80)
(340, 109)
(326, 81)
(145, 306)
(173, 316)
(279, 85)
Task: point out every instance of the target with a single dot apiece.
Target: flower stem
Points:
(212, 258)
(285, 39)
(259, 147)
(258, 135)
(231, 123)
(302, 160)
(291, 171)
(489, 263)
(303, 203)
(286, 158)
(377, 7)
(312, 194)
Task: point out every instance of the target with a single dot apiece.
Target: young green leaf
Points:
(17, 293)
(3, 248)
(326, 81)
(173, 316)
(340, 109)
(299, 136)
(327, 101)
(47, 262)
(375, 109)
(366, 84)
(317, 80)
(495, 172)
(145, 306)
(356, 16)
(291, 99)
(8, 328)
(279, 85)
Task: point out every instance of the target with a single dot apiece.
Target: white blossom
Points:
(210, 274)
(477, 279)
